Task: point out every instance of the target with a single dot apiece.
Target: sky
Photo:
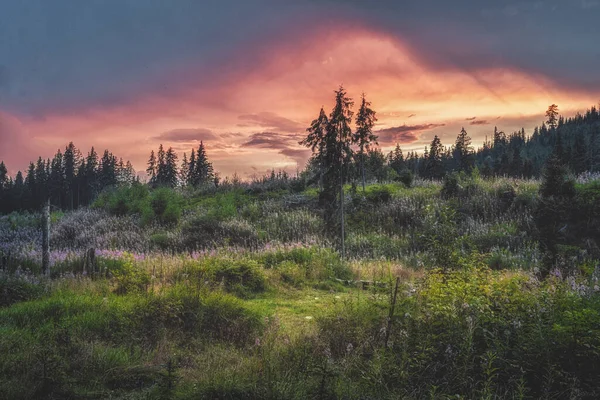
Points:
(248, 76)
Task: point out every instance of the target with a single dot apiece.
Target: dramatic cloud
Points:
(186, 135)
(470, 119)
(272, 121)
(403, 134)
(268, 140)
(123, 75)
(479, 122)
(286, 145)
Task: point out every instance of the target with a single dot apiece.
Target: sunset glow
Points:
(229, 108)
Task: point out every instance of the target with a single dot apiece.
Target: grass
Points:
(241, 293)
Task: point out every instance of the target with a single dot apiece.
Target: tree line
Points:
(345, 150)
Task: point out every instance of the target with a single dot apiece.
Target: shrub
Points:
(406, 177)
(123, 200)
(206, 231)
(14, 289)
(128, 277)
(242, 277)
(379, 194)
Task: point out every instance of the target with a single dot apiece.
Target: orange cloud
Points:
(284, 92)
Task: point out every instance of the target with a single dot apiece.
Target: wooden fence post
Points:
(391, 315)
(46, 239)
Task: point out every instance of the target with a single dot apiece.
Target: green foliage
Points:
(241, 277)
(73, 343)
(166, 206)
(317, 263)
(14, 289)
(124, 200)
(163, 205)
(406, 177)
(128, 277)
(378, 194)
(206, 231)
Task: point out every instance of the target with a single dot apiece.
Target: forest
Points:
(453, 273)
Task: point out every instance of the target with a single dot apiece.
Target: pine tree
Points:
(108, 170)
(516, 165)
(71, 161)
(315, 140)
(552, 116)
(151, 169)
(184, 170)
(3, 176)
(41, 183)
(463, 152)
(56, 182)
(161, 178)
(129, 172)
(396, 159)
(91, 180)
(191, 178)
(434, 167)
(364, 136)
(170, 168)
(204, 172)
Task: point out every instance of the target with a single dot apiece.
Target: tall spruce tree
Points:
(191, 177)
(464, 154)
(184, 170)
(364, 137)
(315, 140)
(434, 163)
(170, 168)
(151, 169)
(204, 172)
(396, 159)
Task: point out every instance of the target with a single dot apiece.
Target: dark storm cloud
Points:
(271, 120)
(271, 140)
(479, 122)
(186, 135)
(286, 145)
(403, 134)
(70, 54)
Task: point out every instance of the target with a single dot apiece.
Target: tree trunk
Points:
(46, 238)
(362, 167)
(342, 211)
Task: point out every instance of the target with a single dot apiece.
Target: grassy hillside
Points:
(241, 293)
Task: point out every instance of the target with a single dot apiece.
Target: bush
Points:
(242, 277)
(128, 277)
(206, 231)
(318, 263)
(406, 177)
(124, 200)
(378, 194)
(14, 289)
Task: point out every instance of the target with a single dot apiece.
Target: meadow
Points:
(447, 290)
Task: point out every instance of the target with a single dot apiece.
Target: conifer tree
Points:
(160, 166)
(151, 169)
(396, 159)
(363, 136)
(184, 170)
(315, 140)
(463, 152)
(552, 116)
(170, 168)
(434, 167)
(204, 172)
(191, 177)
